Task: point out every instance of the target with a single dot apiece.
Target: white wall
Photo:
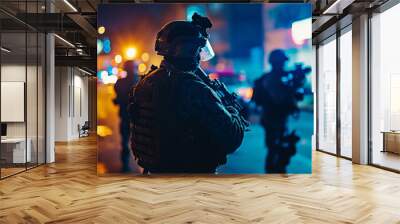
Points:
(79, 102)
(61, 103)
(9, 73)
(16, 73)
(33, 127)
(71, 102)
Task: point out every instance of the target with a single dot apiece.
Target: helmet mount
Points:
(202, 23)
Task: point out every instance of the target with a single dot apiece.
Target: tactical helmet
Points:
(277, 56)
(184, 39)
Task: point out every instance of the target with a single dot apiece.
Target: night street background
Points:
(242, 36)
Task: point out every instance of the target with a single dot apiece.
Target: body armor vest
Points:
(163, 138)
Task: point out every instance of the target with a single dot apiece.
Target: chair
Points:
(84, 130)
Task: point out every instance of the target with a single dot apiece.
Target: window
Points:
(385, 89)
(327, 96)
(22, 77)
(346, 93)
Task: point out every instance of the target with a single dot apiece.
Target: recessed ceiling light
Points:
(64, 40)
(332, 7)
(5, 50)
(84, 71)
(70, 5)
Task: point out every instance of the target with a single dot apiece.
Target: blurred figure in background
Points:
(277, 93)
(122, 89)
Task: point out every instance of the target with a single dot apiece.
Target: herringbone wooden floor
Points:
(70, 192)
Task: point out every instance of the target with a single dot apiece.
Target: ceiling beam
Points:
(78, 61)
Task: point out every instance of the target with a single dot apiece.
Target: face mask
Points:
(206, 52)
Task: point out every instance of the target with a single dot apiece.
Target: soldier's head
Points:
(185, 43)
(131, 68)
(277, 59)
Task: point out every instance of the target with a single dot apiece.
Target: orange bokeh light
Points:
(145, 57)
(101, 30)
(246, 93)
(118, 58)
(131, 53)
(213, 76)
(103, 131)
(142, 68)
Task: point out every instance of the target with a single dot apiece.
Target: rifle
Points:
(297, 79)
(227, 98)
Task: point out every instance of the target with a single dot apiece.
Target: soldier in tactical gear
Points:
(179, 123)
(277, 93)
(122, 89)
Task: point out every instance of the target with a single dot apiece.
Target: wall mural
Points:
(204, 88)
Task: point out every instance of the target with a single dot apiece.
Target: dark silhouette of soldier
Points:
(277, 93)
(182, 121)
(122, 88)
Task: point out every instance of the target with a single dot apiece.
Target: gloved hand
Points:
(232, 110)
